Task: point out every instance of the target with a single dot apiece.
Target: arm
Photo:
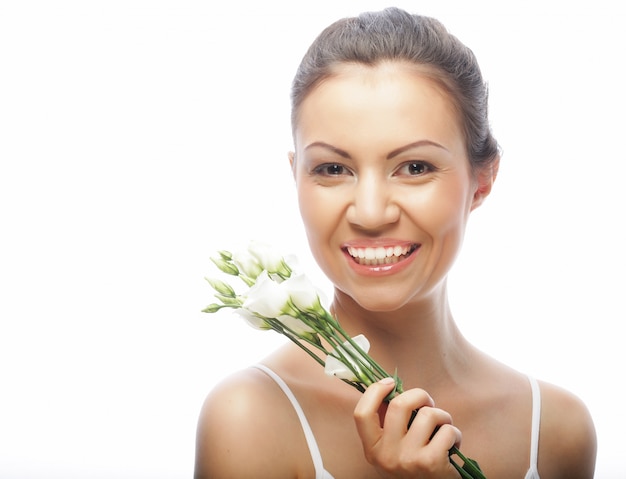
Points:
(239, 432)
(567, 441)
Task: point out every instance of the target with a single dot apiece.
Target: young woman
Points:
(392, 153)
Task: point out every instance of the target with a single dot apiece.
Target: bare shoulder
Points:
(246, 430)
(567, 441)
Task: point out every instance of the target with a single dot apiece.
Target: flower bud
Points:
(221, 287)
(212, 308)
(225, 255)
(225, 266)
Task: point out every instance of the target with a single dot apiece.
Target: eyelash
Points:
(323, 170)
(424, 166)
(339, 169)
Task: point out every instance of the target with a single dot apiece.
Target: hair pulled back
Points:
(395, 35)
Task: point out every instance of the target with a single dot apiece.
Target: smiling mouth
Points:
(380, 255)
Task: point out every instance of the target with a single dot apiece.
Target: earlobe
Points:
(486, 178)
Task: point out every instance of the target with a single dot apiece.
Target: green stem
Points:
(470, 469)
(307, 350)
(358, 361)
(464, 474)
(371, 362)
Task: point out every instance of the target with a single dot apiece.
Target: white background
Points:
(138, 137)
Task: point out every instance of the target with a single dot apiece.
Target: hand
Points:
(418, 452)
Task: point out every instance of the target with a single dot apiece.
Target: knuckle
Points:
(451, 432)
(435, 415)
(359, 413)
(398, 403)
(427, 412)
(411, 399)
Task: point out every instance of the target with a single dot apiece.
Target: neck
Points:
(420, 340)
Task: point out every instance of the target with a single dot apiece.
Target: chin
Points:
(380, 306)
(376, 302)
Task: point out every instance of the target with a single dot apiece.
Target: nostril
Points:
(373, 212)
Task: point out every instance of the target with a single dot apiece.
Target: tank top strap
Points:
(533, 472)
(316, 456)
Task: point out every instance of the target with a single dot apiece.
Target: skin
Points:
(380, 161)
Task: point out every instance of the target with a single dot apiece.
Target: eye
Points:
(414, 168)
(331, 169)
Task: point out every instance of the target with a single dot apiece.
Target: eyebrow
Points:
(332, 148)
(415, 144)
(391, 155)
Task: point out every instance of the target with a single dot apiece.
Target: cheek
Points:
(322, 211)
(442, 211)
(313, 210)
(448, 227)
(315, 220)
(452, 209)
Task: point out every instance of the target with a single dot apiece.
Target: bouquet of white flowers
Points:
(288, 303)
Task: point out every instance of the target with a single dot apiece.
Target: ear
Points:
(292, 162)
(484, 182)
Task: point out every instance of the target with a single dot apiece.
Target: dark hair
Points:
(395, 35)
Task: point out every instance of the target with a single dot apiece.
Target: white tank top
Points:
(318, 464)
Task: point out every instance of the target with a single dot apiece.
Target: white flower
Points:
(248, 264)
(302, 292)
(334, 367)
(266, 297)
(295, 324)
(252, 319)
(269, 259)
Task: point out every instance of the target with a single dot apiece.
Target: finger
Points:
(366, 416)
(446, 437)
(402, 407)
(426, 423)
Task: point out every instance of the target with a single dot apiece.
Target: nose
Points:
(372, 206)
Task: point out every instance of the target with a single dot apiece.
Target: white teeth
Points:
(379, 255)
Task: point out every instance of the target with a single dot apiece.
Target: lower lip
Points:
(381, 269)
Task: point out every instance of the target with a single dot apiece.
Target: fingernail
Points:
(387, 381)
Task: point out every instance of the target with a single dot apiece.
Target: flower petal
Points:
(295, 324)
(302, 292)
(252, 319)
(269, 259)
(336, 367)
(266, 297)
(248, 264)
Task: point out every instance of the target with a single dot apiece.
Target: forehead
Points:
(389, 101)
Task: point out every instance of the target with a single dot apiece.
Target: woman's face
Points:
(384, 184)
